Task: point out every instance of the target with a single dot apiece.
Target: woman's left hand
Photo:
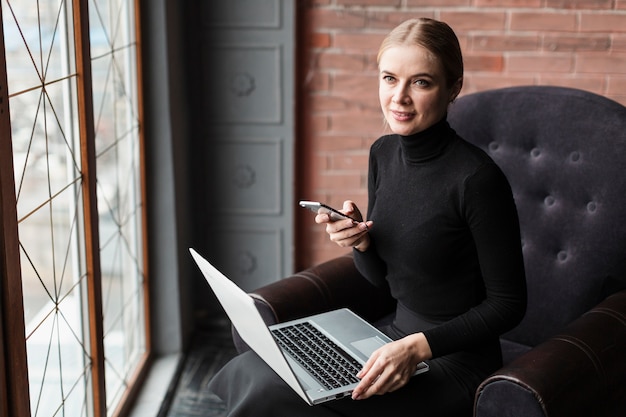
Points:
(391, 366)
(347, 233)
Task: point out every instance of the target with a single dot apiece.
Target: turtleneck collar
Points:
(427, 144)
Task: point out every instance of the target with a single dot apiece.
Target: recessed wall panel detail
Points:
(243, 14)
(244, 86)
(248, 176)
(251, 258)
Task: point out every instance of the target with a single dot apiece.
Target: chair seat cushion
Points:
(512, 350)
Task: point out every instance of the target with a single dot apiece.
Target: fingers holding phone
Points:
(346, 228)
(325, 213)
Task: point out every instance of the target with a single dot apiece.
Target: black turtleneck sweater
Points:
(445, 239)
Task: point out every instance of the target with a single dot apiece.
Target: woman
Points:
(441, 235)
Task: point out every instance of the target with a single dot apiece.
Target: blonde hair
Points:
(436, 37)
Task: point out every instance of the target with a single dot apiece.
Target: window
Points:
(72, 207)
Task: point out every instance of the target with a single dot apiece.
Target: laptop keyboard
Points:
(324, 360)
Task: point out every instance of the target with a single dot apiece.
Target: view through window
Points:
(50, 155)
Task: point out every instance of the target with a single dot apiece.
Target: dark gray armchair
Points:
(564, 153)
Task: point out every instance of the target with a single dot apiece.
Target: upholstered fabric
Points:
(564, 153)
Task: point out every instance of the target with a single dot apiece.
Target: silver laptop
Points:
(347, 341)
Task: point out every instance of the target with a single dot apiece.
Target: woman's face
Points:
(412, 89)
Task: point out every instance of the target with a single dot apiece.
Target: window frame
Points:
(14, 387)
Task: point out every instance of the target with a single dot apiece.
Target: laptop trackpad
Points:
(368, 346)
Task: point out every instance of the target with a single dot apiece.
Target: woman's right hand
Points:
(347, 233)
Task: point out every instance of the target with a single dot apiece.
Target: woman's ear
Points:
(456, 89)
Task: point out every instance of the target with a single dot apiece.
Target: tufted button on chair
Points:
(564, 153)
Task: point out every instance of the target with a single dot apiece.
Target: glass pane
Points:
(58, 362)
(36, 39)
(45, 162)
(119, 191)
(50, 271)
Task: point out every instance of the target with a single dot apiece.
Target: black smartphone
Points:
(317, 207)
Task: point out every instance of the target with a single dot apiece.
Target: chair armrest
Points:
(328, 286)
(580, 372)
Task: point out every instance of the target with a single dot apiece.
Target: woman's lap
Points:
(250, 388)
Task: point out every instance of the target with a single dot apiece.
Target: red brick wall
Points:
(575, 43)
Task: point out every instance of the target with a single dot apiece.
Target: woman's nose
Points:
(400, 95)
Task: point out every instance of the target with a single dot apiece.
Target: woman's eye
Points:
(421, 83)
(388, 78)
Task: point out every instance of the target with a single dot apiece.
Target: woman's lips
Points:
(402, 116)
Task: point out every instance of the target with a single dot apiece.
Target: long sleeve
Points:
(369, 264)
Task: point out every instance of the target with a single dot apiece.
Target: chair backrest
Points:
(564, 153)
